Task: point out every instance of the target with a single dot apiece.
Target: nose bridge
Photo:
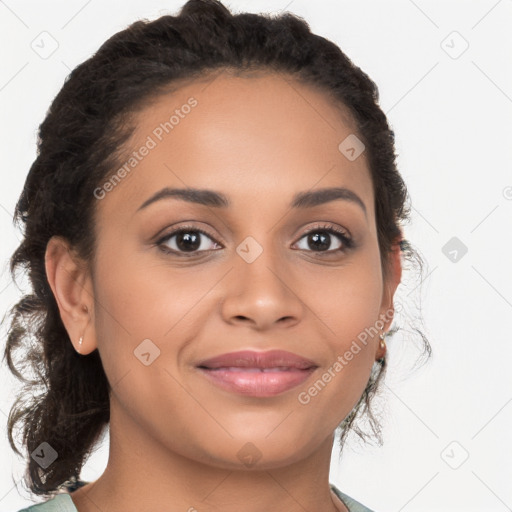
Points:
(259, 265)
(261, 288)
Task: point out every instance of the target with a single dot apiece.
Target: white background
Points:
(453, 123)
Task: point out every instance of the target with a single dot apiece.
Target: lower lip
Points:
(257, 383)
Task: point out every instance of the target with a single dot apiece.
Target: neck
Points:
(149, 475)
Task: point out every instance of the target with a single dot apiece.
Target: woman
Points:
(212, 231)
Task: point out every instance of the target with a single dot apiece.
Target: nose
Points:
(263, 294)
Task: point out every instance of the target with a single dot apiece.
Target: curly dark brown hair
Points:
(65, 396)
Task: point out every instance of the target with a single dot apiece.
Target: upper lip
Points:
(254, 359)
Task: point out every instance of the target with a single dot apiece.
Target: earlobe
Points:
(69, 280)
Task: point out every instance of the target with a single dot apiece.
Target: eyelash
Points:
(347, 242)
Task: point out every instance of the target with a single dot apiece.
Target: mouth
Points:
(257, 374)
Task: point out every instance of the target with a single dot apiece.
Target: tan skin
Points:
(174, 436)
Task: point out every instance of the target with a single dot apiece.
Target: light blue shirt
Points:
(64, 503)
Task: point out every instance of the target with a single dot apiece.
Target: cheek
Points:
(140, 297)
(145, 307)
(348, 299)
(141, 324)
(351, 340)
(347, 303)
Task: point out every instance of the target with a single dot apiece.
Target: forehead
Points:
(259, 138)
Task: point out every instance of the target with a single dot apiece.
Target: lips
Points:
(258, 360)
(258, 374)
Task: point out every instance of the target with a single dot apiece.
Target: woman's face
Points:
(167, 304)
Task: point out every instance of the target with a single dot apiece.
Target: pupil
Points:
(187, 241)
(321, 237)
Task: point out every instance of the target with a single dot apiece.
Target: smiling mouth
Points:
(257, 374)
(251, 369)
(257, 382)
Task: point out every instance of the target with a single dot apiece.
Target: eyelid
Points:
(183, 225)
(343, 235)
(184, 228)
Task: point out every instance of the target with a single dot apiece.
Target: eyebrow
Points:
(308, 199)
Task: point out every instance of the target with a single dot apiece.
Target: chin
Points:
(258, 453)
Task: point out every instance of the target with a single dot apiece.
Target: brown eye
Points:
(187, 240)
(326, 239)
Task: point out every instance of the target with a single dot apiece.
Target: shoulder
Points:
(59, 503)
(351, 503)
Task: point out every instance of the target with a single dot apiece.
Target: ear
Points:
(71, 284)
(392, 278)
